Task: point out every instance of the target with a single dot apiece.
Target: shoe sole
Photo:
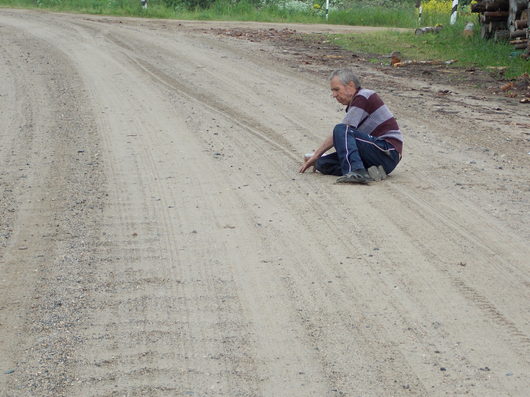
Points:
(377, 173)
(345, 179)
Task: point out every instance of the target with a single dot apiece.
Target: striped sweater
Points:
(368, 114)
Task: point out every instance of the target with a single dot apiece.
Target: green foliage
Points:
(449, 44)
(352, 4)
(189, 4)
(172, 4)
(365, 16)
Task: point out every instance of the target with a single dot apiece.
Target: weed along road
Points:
(156, 238)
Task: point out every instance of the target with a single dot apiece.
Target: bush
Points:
(189, 4)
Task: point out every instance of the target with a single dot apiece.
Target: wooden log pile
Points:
(505, 20)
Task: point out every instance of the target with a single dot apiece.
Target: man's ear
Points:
(352, 85)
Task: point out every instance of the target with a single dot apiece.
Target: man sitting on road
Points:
(368, 142)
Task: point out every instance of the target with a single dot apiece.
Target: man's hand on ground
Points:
(310, 162)
(326, 145)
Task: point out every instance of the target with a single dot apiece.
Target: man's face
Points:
(343, 93)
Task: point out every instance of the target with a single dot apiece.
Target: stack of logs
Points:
(505, 20)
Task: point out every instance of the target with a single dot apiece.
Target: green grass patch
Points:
(218, 10)
(109, 7)
(243, 11)
(449, 44)
(401, 15)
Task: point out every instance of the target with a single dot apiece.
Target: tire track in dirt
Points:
(275, 141)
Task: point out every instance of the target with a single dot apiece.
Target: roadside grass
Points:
(397, 17)
(448, 44)
(99, 7)
(218, 10)
(223, 10)
(363, 15)
(401, 15)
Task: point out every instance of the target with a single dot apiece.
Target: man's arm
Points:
(326, 145)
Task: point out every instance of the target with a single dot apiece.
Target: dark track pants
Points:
(355, 150)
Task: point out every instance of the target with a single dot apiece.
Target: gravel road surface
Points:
(157, 240)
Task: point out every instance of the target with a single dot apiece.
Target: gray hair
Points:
(345, 76)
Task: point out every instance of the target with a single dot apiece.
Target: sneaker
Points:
(356, 176)
(377, 173)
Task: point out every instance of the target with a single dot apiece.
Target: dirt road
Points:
(156, 239)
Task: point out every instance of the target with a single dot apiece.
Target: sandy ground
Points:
(157, 240)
